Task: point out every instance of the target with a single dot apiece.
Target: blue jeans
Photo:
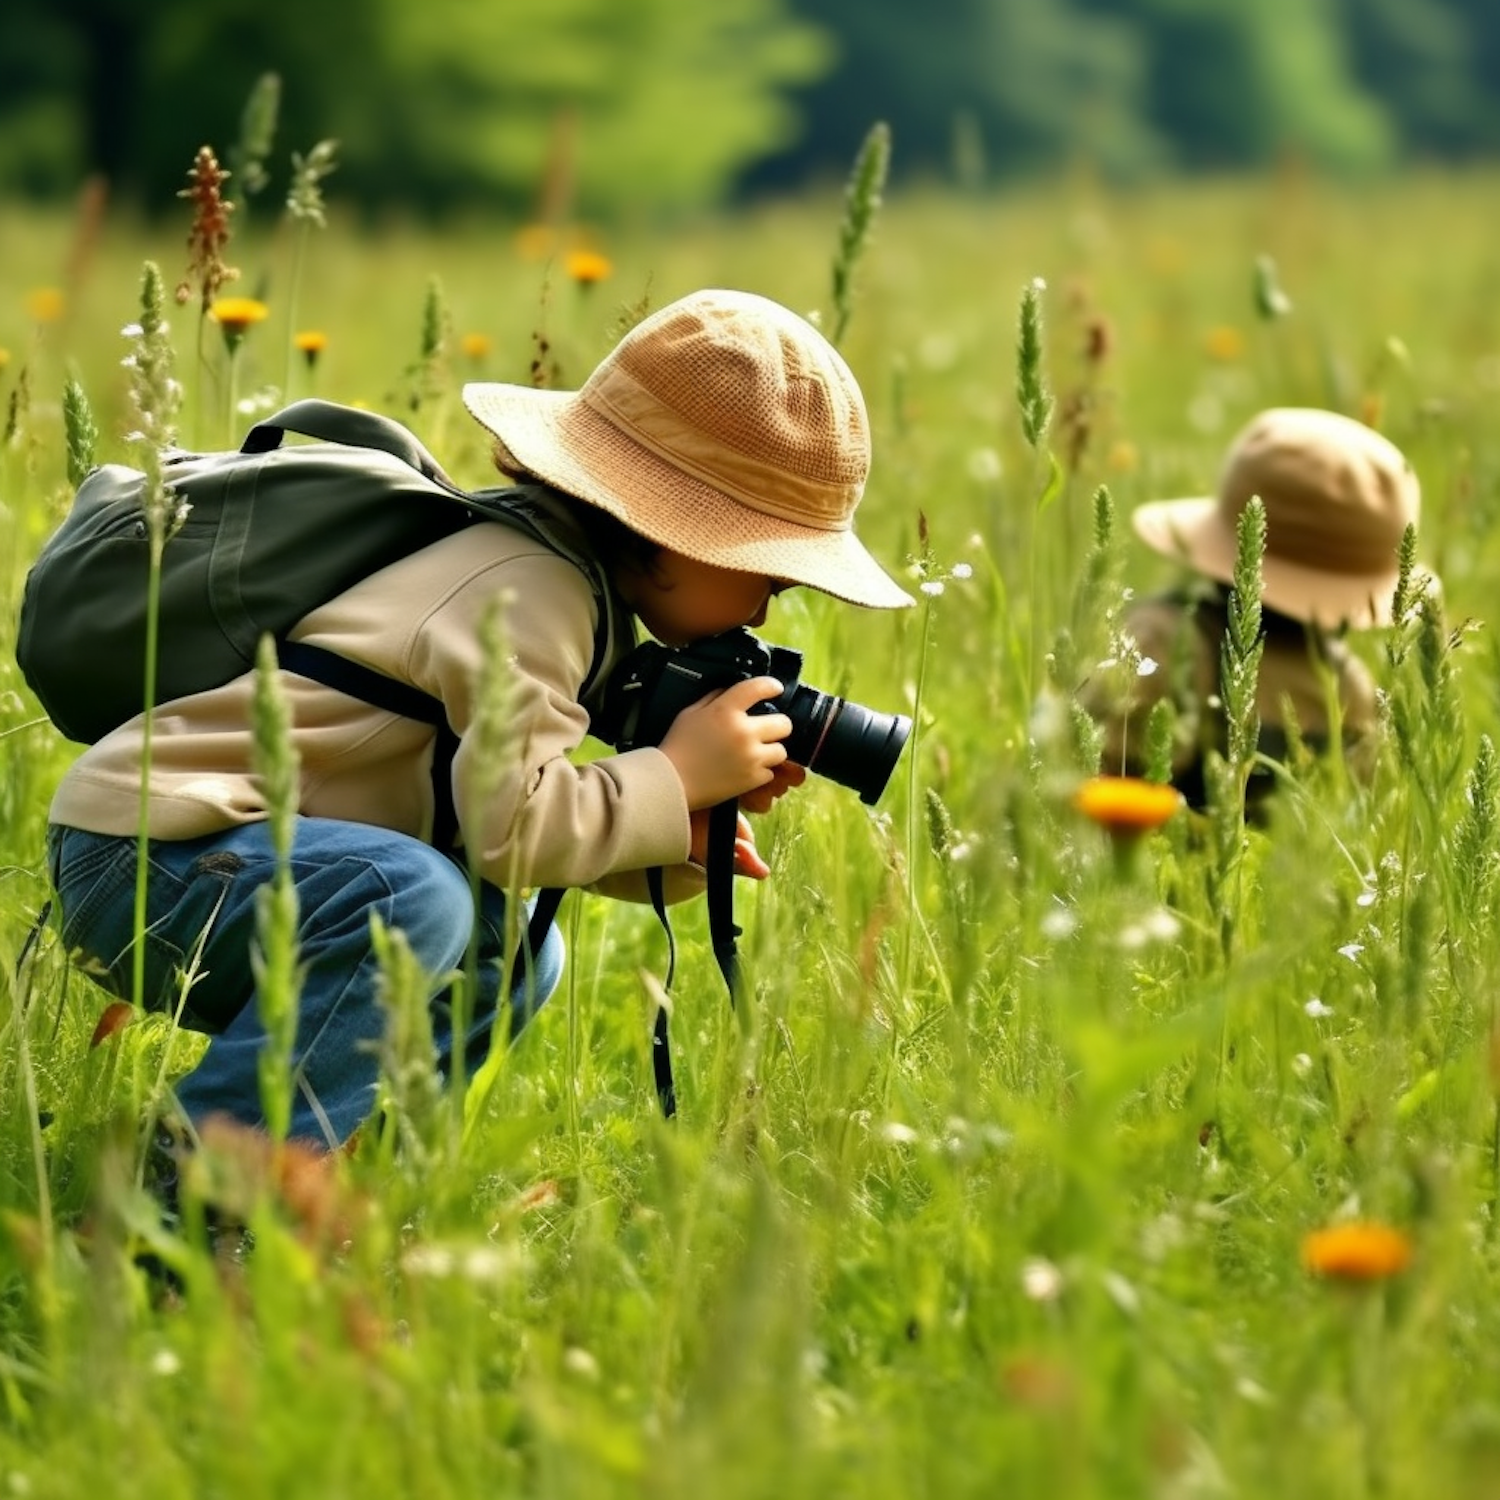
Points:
(204, 890)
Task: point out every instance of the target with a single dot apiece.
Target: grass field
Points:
(1002, 1181)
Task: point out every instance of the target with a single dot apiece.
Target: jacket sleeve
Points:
(534, 815)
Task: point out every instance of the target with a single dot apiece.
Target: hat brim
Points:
(1194, 531)
(561, 440)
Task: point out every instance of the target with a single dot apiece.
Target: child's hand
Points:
(787, 775)
(721, 750)
(747, 860)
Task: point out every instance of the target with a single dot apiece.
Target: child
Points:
(712, 460)
(1338, 497)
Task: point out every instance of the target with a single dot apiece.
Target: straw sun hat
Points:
(723, 427)
(1338, 497)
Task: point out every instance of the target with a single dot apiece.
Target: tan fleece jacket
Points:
(542, 820)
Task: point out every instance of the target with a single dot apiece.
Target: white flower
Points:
(984, 465)
(899, 1134)
(165, 1362)
(932, 588)
(962, 570)
(1041, 1280)
(1146, 667)
(1317, 1010)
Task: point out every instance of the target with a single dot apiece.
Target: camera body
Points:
(831, 736)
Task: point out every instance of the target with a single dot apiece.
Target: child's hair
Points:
(607, 536)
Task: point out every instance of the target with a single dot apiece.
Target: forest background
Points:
(451, 105)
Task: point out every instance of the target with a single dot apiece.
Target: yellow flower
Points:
(236, 315)
(587, 266)
(475, 346)
(535, 241)
(311, 342)
(1224, 343)
(44, 304)
(1126, 805)
(1356, 1251)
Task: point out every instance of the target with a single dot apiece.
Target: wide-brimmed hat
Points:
(1338, 497)
(723, 427)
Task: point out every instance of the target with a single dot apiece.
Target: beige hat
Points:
(1338, 497)
(722, 427)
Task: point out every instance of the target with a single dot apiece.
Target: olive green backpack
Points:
(269, 533)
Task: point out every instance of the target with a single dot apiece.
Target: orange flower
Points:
(310, 343)
(1126, 804)
(1356, 1251)
(587, 266)
(44, 304)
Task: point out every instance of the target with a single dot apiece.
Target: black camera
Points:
(844, 741)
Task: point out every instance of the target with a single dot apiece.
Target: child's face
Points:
(680, 599)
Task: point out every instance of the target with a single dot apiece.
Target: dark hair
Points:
(608, 536)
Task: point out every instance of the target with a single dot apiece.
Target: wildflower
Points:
(535, 241)
(236, 316)
(44, 304)
(475, 346)
(1041, 1281)
(310, 343)
(1224, 344)
(1357, 1251)
(587, 266)
(933, 588)
(1126, 805)
(209, 236)
(984, 466)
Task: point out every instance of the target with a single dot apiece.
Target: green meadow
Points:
(1001, 1178)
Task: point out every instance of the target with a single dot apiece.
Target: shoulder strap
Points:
(328, 422)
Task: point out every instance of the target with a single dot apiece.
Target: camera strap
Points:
(723, 824)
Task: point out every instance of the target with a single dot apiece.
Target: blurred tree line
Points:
(609, 106)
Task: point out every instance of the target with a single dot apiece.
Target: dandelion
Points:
(44, 304)
(237, 316)
(310, 343)
(586, 267)
(1224, 344)
(535, 242)
(1126, 805)
(1361, 1251)
(475, 347)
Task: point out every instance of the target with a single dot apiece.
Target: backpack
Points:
(270, 533)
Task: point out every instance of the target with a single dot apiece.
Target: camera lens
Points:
(845, 741)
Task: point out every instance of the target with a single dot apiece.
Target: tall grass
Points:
(1000, 1177)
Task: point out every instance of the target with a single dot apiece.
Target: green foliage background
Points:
(622, 107)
